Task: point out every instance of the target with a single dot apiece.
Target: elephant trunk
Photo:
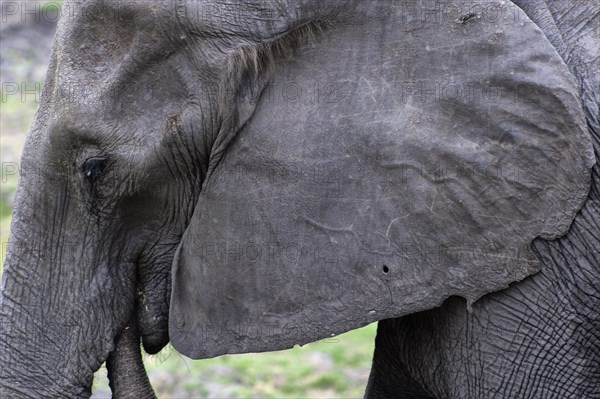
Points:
(65, 295)
(36, 359)
(126, 372)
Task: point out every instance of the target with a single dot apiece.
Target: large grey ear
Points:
(387, 165)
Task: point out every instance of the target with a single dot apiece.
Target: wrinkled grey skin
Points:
(110, 180)
(541, 337)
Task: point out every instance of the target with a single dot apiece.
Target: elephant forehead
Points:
(114, 71)
(103, 46)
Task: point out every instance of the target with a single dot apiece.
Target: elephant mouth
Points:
(153, 329)
(154, 342)
(152, 307)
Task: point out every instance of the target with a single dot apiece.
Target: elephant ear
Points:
(387, 165)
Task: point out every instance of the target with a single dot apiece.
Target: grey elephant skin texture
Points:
(242, 177)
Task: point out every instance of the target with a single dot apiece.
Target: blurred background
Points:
(333, 368)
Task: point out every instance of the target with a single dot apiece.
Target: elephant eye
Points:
(93, 168)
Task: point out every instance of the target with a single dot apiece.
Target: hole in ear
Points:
(467, 17)
(386, 269)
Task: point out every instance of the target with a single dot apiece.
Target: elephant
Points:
(236, 177)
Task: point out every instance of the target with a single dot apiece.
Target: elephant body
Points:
(239, 177)
(540, 338)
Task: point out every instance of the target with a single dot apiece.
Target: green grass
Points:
(332, 368)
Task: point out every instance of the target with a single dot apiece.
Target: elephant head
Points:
(247, 177)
